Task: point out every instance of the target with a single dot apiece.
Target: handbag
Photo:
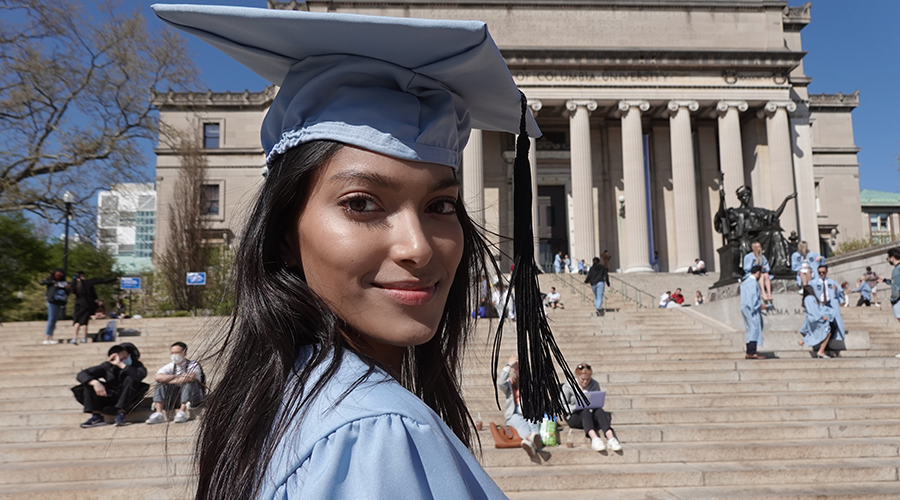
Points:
(505, 437)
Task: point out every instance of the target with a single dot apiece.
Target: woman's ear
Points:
(290, 251)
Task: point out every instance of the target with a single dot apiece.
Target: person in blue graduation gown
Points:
(830, 295)
(816, 329)
(756, 258)
(803, 262)
(341, 365)
(751, 309)
(865, 293)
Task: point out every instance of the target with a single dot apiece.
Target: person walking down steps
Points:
(598, 278)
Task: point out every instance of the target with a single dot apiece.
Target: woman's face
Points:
(584, 379)
(379, 240)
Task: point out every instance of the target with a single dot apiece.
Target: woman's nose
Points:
(411, 244)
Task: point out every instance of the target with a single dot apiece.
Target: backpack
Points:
(60, 295)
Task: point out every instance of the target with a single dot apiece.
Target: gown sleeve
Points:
(387, 457)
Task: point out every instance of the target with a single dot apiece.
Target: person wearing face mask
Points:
(113, 386)
(594, 422)
(180, 381)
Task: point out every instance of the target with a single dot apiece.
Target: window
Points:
(818, 206)
(880, 230)
(209, 199)
(211, 135)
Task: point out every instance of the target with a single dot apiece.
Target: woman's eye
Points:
(361, 204)
(443, 207)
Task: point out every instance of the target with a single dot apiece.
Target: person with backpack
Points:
(57, 294)
(179, 382)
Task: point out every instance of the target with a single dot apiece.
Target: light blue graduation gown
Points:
(815, 329)
(836, 298)
(797, 260)
(378, 442)
(864, 290)
(750, 261)
(750, 305)
(557, 263)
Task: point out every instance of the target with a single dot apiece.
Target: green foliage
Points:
(219, 293)
(856, 244)
(95, 262)
(24, 257)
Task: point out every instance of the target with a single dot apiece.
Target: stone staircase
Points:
(697, 420)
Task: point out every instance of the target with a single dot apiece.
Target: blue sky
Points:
(851, 46)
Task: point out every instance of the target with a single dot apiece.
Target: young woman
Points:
(816, 329)
(756, 258)
(595, 422)
(698, 298)
(803, 262)
(356, 271)
(508, 382)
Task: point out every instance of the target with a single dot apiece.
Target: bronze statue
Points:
(741, 226)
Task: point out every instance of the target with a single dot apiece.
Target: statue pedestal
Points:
(730, 271)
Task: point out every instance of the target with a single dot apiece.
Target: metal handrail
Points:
(631, 293)
(575, 285)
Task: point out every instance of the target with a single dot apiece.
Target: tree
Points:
(186, 250)
(75, 99)
(23, 258)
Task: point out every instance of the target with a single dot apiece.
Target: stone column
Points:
(582, 179)
(781, 167)
(684, 184)
(731, 156)
(803, 173)
(638, 258)
(473, 177)
(535, 106)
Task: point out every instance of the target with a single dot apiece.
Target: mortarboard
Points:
(408, 88)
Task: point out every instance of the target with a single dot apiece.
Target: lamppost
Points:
(68, 198)
(622, 206)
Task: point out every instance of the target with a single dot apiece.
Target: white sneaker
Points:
(614, 444)
(50, 342)
(180, 417)
(156, 417)
(597, 444)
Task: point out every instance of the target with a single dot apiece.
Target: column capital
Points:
(723, 106)
(535, 105)
(624, 105)
(675, 105)
(573, 104)
(772, 106)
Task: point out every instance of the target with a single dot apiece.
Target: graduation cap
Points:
(407, 88)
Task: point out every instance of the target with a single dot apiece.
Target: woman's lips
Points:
(408, 294)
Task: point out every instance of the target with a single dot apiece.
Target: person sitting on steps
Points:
(114, 385)
(508, 383)
(553, 299)
(592, 421)
(180, 381)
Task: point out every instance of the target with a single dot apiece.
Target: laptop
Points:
(595, 400)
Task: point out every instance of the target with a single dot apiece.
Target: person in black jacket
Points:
(57, 294)
(598, 277)
(85, 302)
(113, 386)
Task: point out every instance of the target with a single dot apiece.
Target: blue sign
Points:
(130, 283)
(196, 278)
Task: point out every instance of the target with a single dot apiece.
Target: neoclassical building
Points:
(648, 107)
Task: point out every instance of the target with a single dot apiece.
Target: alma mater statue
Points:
(741, 226)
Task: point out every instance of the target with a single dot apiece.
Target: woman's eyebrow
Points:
(447, 182)
(369, 178)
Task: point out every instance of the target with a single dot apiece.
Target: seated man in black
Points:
(113, 386)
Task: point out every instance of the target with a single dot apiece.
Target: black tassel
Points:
(537, 349)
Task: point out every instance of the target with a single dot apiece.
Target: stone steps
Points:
(695, 418)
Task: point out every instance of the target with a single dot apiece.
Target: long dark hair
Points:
(807, 291)
(277, 314)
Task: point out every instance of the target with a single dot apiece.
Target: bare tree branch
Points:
(75, 98)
